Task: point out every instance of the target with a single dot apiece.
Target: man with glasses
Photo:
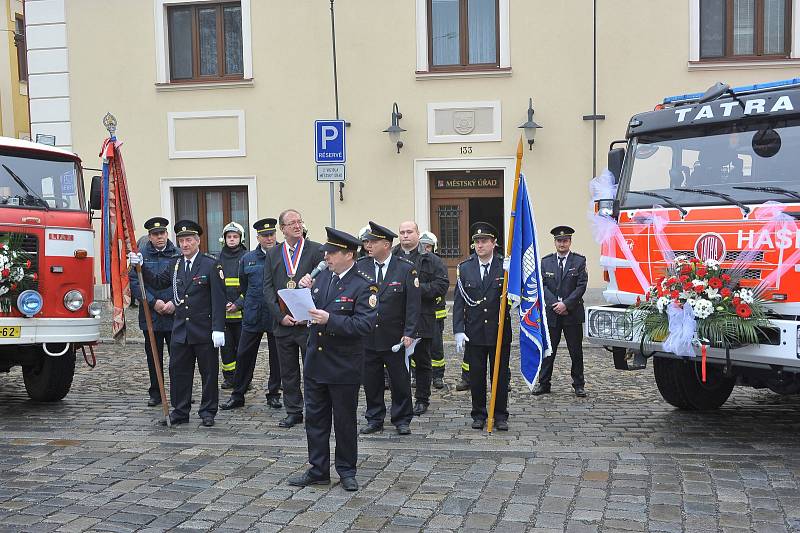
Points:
(287, 266)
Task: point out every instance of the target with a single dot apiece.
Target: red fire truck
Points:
(707, 161)
(48, 312)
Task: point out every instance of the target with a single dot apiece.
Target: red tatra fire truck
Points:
(706, 161)
(45, 219)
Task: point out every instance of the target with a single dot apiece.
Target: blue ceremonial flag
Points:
(525, 289)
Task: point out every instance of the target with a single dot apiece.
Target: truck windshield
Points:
(764, 155)
(39, 183)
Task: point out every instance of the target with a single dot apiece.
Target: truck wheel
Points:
(50, 379)
(680, 385)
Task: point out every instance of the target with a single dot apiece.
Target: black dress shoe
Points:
(208, 422)
(174, 421)
(231, 404)
(438, 383)
(371, 428)
(274, 402)
(349, 483)
(579, 392)
(290, 421)
(306, 480)
(152, 402)
(420, 408)
(403, 429)
(540, 389)
(478, 423)
(462, 385)
(501, 425)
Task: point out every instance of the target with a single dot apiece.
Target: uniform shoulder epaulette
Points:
(578, 255)
(362, 258)
(548, 255)
(467, 259)
(405, 260)
(214, 257)
(365, 276)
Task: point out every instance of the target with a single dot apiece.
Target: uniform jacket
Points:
(229, 259)
(398, 302)
(480, 322)
(275, 278)
(335, 351)
(570, 288)
(200, 303)
(154, 262)
(257, 317)
(433, 285)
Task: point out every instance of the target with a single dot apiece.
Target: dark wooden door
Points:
(449, 221)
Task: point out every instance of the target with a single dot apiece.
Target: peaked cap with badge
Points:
(187, 227)
(156, 224)
(377, 232)
(338, 241)
(266, 226)
(483, 229)
(562, 232)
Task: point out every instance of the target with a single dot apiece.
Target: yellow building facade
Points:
(14, 118)
(216, 101)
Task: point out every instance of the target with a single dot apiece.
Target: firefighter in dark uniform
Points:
(346, 309)
(476, 310)
(229, 257)
(257, 321)
(433, 283)
(158, 253)
(429, 241)
(398, 313)
(565, 278)
(198, 330)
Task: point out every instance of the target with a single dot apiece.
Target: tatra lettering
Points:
(755, 105)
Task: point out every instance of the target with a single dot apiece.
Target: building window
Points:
(212, 208)
(22, 49)
(205, 41)
(745, 29)
(463, 34)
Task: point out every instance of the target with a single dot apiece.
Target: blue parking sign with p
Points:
(330, 147)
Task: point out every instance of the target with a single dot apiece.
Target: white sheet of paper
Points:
(298, 301)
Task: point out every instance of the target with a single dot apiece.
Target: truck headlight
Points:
(610, 325)
(73, 300)
(95, 308)
(29, 302)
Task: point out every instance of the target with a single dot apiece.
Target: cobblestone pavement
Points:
(619, 460)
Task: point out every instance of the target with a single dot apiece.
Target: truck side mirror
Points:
(95, 193)
(615, 158)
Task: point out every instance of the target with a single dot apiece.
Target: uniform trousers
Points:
(573, 333)
(181, 375)
(481, 361)
(437, 350)
(162, 337)
(291, 348)
(323, 402)
(246, 365)
(421, 360)
(399, 385)
(233, 332)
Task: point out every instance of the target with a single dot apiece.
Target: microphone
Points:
(317, 269)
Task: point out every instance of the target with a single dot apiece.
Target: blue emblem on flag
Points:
(525, 289)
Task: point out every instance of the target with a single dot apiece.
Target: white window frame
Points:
(169, 184)
(728, 64)
(162, 40)
(422, 43)
(174, 153)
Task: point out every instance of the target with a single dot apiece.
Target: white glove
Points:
(461, 338)
(218, 338)
(506, 263)
(135, 259)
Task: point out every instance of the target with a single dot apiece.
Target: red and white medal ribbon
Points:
(292, 262)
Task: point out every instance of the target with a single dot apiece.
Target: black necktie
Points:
(188, 266)
(380, 273)
(332, 285)
(561, 266)
(485, 277)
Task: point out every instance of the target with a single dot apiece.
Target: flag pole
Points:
(504, 293)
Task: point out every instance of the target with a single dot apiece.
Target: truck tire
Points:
(680, 385)
(51, 378)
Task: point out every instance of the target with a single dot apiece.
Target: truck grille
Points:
(730, 256)
(30, 244)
